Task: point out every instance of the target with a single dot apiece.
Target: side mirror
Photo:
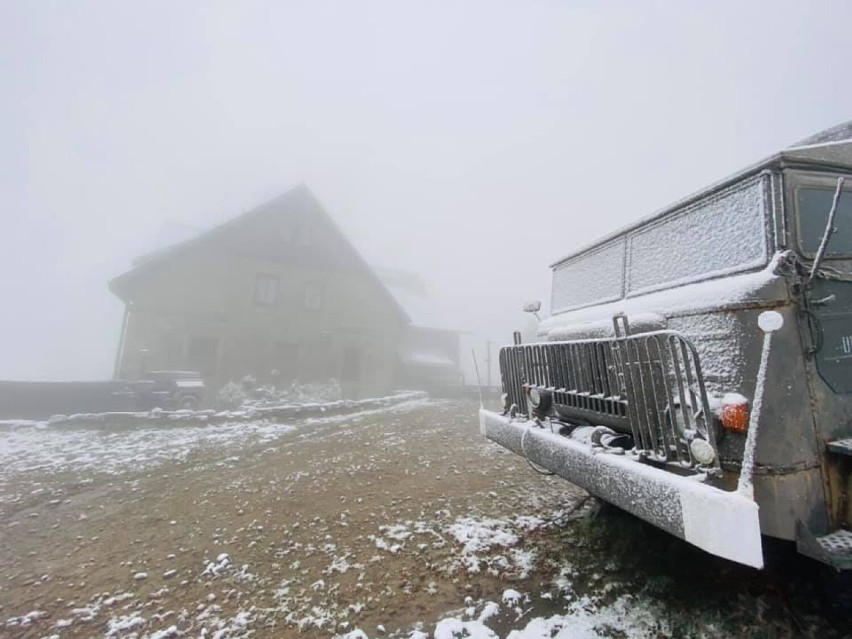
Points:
(532, 307)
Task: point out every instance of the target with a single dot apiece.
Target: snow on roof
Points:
(838, 133)
(429, 359)
(695, 299)
(832, 146)
(411, 292)
(837, 153)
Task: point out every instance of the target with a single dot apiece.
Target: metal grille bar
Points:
(648, 384)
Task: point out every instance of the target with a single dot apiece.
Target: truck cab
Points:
(696, 368)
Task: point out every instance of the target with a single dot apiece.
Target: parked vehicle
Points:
(696, 369)
(172, 390)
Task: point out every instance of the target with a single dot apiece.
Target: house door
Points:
(351, 369)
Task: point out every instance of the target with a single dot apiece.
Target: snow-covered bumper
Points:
(722, 523)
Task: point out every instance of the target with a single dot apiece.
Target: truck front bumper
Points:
(720, 522)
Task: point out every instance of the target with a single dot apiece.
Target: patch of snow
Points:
(338, 564)
(716, 236)
(453, 628)
(381, 544)
(167, 633)
(430, 359)
(595, 277)
(398, 532)
(482, 535)
(25, 620)
(586, 620)
(490, 609)
(479, 537)
(116, 445)
(217, 567)
(674, 301)
(118, 626)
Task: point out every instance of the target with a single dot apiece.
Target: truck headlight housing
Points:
(540, 400)
(535, 397)
(702, 451)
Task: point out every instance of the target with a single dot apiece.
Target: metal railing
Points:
(648, 384)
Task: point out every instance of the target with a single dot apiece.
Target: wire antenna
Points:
(478, 380)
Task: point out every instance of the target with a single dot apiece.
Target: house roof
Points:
(297, 201)
(412, 293)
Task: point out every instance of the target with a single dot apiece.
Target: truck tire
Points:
(836, 586)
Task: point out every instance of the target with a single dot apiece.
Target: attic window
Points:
(265, 289)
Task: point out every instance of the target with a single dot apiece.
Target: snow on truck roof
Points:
(832, 147)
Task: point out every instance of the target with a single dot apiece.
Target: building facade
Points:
(278, 293)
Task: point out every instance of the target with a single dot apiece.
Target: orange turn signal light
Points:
(735, 416)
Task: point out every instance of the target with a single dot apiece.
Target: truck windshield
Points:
(813, 204)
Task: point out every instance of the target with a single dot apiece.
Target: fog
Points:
(471, 143)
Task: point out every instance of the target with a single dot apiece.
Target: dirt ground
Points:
(386, 521)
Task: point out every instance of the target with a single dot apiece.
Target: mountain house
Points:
(281, 294)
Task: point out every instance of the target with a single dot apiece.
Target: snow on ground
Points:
(115, 448)
(395, 524)
(582, 618)
(45, 448)
(579, 617)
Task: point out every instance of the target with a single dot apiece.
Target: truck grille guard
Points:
(648, 384)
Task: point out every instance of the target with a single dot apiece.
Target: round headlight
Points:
(535, 397)
(702, 451)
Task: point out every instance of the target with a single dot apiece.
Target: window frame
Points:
(823, 181)
(267, 278)
(320, 296)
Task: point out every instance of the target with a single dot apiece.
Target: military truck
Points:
(696, 367)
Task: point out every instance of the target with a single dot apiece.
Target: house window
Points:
(313, 296)
(265, 289)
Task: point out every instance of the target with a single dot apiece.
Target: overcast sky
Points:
(472, 142)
